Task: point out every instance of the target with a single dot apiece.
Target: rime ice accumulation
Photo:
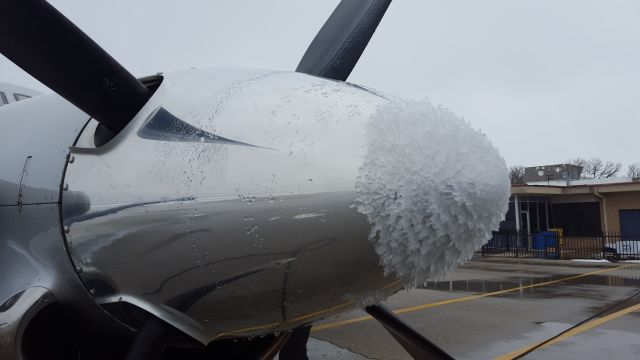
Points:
(432, 187)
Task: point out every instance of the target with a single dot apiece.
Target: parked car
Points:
(623, 250)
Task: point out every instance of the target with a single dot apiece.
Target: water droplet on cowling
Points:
(310, 180)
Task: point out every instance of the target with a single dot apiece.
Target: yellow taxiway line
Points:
(573, 332)
(336, 324)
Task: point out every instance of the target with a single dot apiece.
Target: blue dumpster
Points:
(544, 239)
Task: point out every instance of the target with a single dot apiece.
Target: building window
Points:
(19, 97)
(3, 99)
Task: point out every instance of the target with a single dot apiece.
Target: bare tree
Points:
(516, 174)
(609, 169)
(633, 171)
(597, 168)
(594, 167)
(582, 162)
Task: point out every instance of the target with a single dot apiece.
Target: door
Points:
(630, 222)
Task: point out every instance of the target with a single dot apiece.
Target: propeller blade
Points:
(48, 46)
(335, 50)
(415, 344)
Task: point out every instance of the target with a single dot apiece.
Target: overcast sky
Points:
(545, 80)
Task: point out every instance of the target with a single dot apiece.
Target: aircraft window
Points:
(3, 99)
(19, 97)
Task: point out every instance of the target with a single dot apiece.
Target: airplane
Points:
(192, 214)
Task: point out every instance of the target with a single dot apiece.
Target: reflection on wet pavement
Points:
(481, 285)
(544, 330)
(617, 344)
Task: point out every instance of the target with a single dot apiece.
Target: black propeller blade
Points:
(335, 50)
(44, 43)
(415, 344)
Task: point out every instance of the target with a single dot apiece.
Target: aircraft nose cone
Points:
(432, 187)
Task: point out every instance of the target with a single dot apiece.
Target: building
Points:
(557, 215)
(578, 207)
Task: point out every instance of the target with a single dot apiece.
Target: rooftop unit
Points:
(557, 172)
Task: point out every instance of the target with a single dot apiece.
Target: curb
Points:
(550, 262)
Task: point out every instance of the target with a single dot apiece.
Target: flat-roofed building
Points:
(578, 207)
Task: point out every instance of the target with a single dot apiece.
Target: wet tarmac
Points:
(491, 309)
(318, 349)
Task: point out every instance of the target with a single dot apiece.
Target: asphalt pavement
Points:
(502, 308)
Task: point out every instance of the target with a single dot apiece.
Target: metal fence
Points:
(551, 245)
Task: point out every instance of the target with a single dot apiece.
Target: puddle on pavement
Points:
(593, 344)
(523, 286)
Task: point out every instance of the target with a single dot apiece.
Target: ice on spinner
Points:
(432, 187)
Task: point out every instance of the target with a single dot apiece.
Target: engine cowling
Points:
(225, 207)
